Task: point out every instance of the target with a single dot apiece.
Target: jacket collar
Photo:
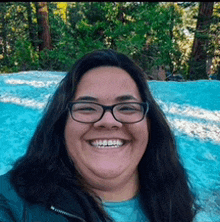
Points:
(67, 214)
(68, 204)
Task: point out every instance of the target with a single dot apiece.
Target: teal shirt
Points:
(126, 211)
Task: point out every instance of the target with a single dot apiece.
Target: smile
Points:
(111, 143)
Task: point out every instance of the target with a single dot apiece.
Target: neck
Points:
(114, 191)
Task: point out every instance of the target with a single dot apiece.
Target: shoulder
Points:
(6, 189)
(13, 208)
(11, 204)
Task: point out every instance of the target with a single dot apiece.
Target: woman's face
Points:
(106, 86)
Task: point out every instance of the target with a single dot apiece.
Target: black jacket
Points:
(13, 208)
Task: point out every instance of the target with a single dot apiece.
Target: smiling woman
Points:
(103, 151)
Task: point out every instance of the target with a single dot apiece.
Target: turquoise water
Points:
(192, 109)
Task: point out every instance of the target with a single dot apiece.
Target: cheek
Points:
(140, 135)
(141, 132)
(70, 130)
(73, 134)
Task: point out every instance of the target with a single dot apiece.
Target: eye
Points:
(126, 108)
(129, 108)
(84, 108)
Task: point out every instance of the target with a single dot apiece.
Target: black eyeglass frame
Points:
(145, 106)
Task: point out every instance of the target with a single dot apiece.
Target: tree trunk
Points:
(209, 64)
(218, 72)
(43, 26)
(31, 27)
(172, 9)
(199, 50)
(4, 32)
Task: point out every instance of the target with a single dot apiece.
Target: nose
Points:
(108, 121)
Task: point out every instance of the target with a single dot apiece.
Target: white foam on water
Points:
(37, 84)
(31, 103)
(199, 130)
(193, 121)
(189, 111)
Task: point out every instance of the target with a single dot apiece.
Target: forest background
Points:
(179, 37)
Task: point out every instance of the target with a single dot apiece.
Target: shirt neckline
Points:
(121, 203)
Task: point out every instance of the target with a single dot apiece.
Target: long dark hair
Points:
(45, 169)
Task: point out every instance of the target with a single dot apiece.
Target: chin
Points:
(108, 172)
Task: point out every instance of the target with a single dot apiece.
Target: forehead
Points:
(107, 83)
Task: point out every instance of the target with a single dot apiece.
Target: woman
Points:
(103, 151)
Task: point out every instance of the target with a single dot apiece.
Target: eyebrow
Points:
(87, 98)
(119, 98)
(125, 98)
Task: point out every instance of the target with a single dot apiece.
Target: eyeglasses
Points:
(90, 112)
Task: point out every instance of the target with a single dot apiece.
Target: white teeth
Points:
(107, 143)
(110, 142)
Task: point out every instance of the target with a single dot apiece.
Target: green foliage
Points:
(152, 33)
(24, 56)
